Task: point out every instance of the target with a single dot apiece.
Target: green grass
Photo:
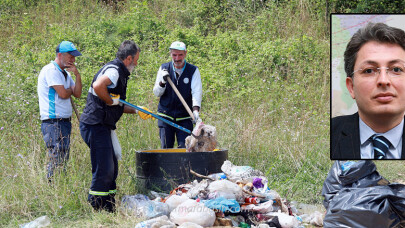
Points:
(266, 82)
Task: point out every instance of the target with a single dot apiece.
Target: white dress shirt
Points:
(394, 136)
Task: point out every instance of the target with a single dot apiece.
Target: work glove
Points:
(115, 98)
(145, 116)
(196, 115)
(165, 74)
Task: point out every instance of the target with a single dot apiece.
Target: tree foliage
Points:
(368, 6)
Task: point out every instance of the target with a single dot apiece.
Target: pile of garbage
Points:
(238, 197)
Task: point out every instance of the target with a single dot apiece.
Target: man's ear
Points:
(350, 85)
(127, 60)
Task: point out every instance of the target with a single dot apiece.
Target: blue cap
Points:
(69, 47)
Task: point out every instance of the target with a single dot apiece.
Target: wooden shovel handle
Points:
(75, 109)
(181, 98)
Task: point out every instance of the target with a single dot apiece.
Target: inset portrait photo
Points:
(367, 86)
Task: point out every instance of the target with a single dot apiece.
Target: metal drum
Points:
(164, 169)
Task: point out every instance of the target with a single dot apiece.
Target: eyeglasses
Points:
(393, 71)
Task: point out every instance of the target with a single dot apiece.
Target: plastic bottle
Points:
(218, 176)
(346, 165)
(42, 221)
(141, 206)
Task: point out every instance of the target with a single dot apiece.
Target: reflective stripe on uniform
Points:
(173, 119)
(95, 193)
(113, 191)
(164, 115)
(184, 118)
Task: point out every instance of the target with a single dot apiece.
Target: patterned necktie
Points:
(381, 145)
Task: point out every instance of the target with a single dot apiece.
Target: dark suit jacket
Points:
(345, 138)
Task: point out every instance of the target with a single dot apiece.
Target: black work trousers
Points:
(168, 134)
(104, 166)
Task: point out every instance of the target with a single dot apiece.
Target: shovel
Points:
(157, 117)
(75, 109)
(181, 99)
(184, 103)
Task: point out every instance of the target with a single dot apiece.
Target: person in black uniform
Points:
(98, 122)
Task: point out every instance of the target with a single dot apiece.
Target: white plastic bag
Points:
(315, 218)
(286, 221)
(157, 222)
(264, 225)
(140, 206)
(226, 189)
(116, 145)
(174, 200)
(42, 221)
(260, 208)
(192, 211)
(197, 188)
(160, 225)
(189, 225)
(242, 174)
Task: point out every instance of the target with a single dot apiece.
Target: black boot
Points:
(99, 202)
(110, 204)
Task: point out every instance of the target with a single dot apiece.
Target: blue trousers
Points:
(168, 133)
(104, 166)
(57, 140)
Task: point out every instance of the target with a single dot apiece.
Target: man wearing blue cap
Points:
(187, 80)
(55, 87)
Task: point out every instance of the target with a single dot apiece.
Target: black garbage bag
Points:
(350, 174)
(377, 206)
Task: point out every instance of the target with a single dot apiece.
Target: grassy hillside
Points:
(266, 82)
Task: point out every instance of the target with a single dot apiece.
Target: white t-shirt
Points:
(112, 74)
(50, 104)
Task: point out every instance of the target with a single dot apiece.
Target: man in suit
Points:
(375, 69)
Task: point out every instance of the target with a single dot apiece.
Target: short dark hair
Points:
(127, 48)
(379, 32)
